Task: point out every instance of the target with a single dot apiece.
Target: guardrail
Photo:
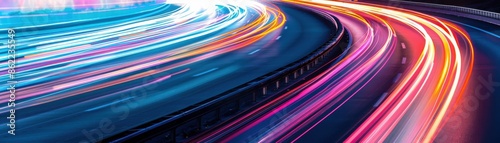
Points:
(482, 15)
(457, 9)
(182, 125)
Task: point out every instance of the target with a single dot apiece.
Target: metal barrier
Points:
(189, 122)
(482, 15)
(457, 9)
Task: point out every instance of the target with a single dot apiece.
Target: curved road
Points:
(403, 79)
(85, 80)
(476, 118)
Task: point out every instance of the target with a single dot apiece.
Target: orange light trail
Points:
(418, 105)
(433, 77)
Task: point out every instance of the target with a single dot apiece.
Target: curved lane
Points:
(407, 71)
(79, 74)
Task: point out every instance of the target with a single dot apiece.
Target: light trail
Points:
(135, 65)
(69, 61)
(28, 6)
(437, 69)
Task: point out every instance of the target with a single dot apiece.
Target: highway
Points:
(477, 116)
(405, 75)
(408, 76)
(85, 79)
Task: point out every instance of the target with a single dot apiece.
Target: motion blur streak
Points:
(417, 105)
(79, 61)
(436, 71)
(26, 6)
